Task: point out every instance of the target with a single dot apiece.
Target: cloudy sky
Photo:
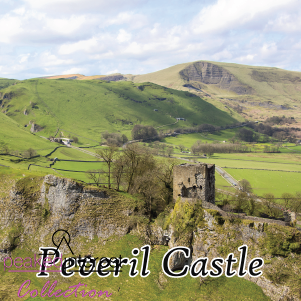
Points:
(49, 37)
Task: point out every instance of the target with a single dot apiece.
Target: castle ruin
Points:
(194, 182)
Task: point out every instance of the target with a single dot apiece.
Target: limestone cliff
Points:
(36, 207)
(210, 234)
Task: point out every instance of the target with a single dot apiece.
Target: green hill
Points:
(19, 139)
(255, 92)
(90, 107)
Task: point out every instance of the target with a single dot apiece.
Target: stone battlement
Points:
(194, 181)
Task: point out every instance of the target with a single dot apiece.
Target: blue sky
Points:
(50, 37)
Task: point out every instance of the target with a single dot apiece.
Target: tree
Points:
(95, 176)
(247, 135)
(169, 150)
(245, 186)
(75, 139)
(165, 176)
(124, 139)
(118, 170)
(137, 161)
(108, 154)
(114, 139)
(296, 202)
(287, 198)
(144, 132)
(268, 202)
(29, 153)
(181, 147)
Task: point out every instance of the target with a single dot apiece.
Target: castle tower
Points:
(194, 181)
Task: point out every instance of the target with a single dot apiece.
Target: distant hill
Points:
(253, 92)
(89, 107)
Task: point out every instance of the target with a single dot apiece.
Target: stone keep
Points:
(194, 181)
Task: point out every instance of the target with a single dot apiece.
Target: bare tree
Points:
(29, 153)
(95, 176)
(118, 170)
(108, 154)
(268, 202)
(287, 198)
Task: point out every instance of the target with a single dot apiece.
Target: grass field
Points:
(269, 181)
(19, 139)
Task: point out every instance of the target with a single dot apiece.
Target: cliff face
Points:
(209, 234)
(36, 207)
(210, 74)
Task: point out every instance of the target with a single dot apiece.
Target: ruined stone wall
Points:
(194, 181)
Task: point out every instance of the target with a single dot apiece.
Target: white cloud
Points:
(66, 26)
(72, 36)
(123, 36)
(24, 58)
(73, 70)
(80, 6)
(47, 59)
(112, 72)
(9, 27)
(232, 14)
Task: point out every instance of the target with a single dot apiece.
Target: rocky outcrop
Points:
(114, 78)
(217, 236)
(35, 128)
(211, 74)
(36, 207)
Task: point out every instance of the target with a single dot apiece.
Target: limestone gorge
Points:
(32, 208)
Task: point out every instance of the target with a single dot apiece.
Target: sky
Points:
(93, 37)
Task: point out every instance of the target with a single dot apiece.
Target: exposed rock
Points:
(35, 128)
(64, 204)
(210, 74)
(112, 78)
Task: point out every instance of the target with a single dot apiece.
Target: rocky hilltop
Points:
(34, 208)
(211, 74)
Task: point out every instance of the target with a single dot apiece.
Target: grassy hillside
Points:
(5, 82)
(272, 91)
(88, 108)
(17, 138)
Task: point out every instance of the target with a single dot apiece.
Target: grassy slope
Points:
(18, 138)
(278, 86)
(88, 108)
(153, 287)
(274, 82)
(5, 82)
